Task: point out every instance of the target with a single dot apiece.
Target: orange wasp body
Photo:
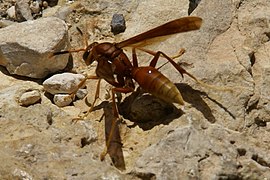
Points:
(114, 66)
(112, 61)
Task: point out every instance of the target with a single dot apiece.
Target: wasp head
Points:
(88, 55)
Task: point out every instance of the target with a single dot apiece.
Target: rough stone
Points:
(23, 11)
(24, 129)
(50, 11)
(34, 6)
(62, 100)
(81, 93)
(61, 12)
(64, 83)
(45, 4)
(190, 153)
(258, 105)
(118, 24)
(18, 173)
(29, 98)
(5, 23)
(218, 134)
(28, 52)
(11, 12)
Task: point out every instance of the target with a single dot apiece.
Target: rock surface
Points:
(28, 52)
(29, 98)
(62, 100)
(64, 83)
(218, 134)
(23, 11)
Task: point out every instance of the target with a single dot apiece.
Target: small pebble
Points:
(45, 4)
(81, 93)
(30, 98)
(34, 6)
(11, 12)
(118, 24)
(64, 83)
(23, 11)
(62, 100)
(20, 174)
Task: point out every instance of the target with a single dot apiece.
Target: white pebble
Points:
(29, 98)
(11, 12)
(62, 100)
(64, 83)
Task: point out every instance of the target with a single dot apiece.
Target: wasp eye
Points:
(86, 54)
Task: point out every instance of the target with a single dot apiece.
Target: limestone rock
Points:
(18, 173)
(218, 134)
(62, 100)
(5, 23)
(64, 83)
(20, 93)
(30, 97)
(33, 134)
(259, 107)
(11, 12)
(51, 11)
(23, 11)
(189, 153)
(81, 93)
(61, 12)
(34, 6)
(28, 52)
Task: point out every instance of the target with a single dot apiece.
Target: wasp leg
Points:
(114, 123)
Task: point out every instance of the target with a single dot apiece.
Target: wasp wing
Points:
(176, 26)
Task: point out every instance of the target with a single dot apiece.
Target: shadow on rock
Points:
(147, 111)
(112, 134)
(194, 97)
(18, 77)
(68, 68)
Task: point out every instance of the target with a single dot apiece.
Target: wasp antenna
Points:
(68, 51)
(61, 52)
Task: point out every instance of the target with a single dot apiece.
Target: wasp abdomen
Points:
(152, 81)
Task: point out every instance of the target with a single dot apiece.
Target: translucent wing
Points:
(176, 26)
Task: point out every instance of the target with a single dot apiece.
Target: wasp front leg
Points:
(81, 117)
